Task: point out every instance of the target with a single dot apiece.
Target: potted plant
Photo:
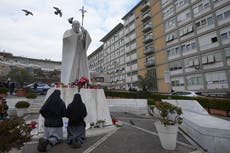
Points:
(167, 127)
(3, 92)
(14, 132)
(100, 123)
(91, 125)
(21, 107)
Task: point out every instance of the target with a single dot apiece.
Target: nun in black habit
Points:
(76, 112)
(53, 110)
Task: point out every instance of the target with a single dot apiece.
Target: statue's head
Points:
(76, 26)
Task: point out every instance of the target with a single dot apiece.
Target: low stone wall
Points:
(135, 106)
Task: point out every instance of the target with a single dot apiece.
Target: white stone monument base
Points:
(212, 133)
(94, 99)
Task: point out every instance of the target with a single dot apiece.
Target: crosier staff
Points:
(83, 11)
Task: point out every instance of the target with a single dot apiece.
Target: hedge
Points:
(3, 90)
(31, 95)
(209, 103)
(22, 104)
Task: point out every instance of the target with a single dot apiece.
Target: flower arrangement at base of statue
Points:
(83, 82)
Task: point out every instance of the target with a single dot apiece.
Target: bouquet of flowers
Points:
(83, 82)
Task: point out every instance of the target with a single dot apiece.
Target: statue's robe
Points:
(74, 56)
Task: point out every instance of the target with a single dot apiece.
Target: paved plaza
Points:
(139, 138)
(137, 134)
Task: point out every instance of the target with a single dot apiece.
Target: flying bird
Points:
(57, 11)
(27, 12)
(131, 122)
(70, 20)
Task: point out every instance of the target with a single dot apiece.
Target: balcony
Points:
(148, 38)
(146, 17)
(149, 50)
(147, 27)
(150, 62)
(145, 7)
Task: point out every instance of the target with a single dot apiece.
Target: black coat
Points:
(76, 111)
(53, 110)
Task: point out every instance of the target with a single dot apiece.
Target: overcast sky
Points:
(40, 36)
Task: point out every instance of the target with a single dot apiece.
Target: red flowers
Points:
(114, 120)
(33, 124)
(83, 82)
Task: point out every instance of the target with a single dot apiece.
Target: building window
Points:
(175, 66)
(165, 2)
(201, 6)
(184, 16)
(216, 80)
(173, 51)
(216, 1)
(177, 82)
(168, 11)
(131, 52)
(194, 80)
(214, 39)
(223, 14)
(170, 23)
(210, 20)
(131, 62)
(204, 22)
(186, 30)
(208, 41)
(225, 34)
(211, 58)
(132, 73)
(227, 14)
(208, 59)
(192, 62)
(220, 17)
(171, 37)
(180, 3)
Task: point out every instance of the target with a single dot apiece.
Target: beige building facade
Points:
(185, 44)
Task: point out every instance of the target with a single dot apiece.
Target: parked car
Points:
(187, 93)
(41, 88)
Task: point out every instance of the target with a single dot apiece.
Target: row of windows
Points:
(205, 41)
(206, 59)
(211, 78)
(185, 47)
(131, 62)
(132, 73)
(186, 16)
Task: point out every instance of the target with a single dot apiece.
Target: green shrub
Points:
(31, 95)
(167, 109)
(151, 101)
(13, 133)
(3, 90)
(22, 104)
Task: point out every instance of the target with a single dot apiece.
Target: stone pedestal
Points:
(94, 99)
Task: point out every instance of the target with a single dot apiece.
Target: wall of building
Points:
(188, 39)
(8, 61)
